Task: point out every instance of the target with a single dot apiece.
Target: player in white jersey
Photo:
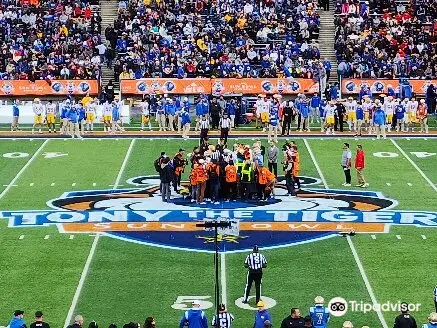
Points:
(51, 116)
(329, 117)
(368, 113)
(145, 114)
(258, 109)
(411, 108)
(38, 111)
(351, 108)
(90, 111)
(389, 109)
(265, 110)
(107, 116)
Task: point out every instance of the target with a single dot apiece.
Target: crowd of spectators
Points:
(47, 39)
(385, 39)
(230, 38)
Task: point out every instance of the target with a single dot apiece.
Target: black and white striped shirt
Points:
(215, 155)
(255, 261)
(204, 124)
(435, 293)
(225, 320)
(225, 123)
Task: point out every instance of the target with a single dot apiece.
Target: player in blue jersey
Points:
(82, 117)
(359, 114)
(274, 121)
(304, 111)
(116, 117)
(314, 108)
(319, 313)
(15, 115)
(186, 124)
(400, 111)
(194, 318)
(73, 118)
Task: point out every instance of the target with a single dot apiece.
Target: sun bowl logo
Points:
(267, 86)
(173, 225)
(83, 87)
(142, 86)
(217, 87)
(281, 86)
(57, 87)
(70, 87)
(8, 88)
(350, 86)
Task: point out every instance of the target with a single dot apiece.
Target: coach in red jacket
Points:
(359, 166)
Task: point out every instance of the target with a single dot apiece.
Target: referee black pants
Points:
(253, 276)
(224, 132)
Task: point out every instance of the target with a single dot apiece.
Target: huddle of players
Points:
(385, 113)
(74, 116)
(220, 173)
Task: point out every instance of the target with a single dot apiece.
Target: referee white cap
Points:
(196, 302)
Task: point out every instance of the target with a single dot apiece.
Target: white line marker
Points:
(52, 184)
(9, 185)
(388, 184)
(373, 236)
(81, 281)
(398, 236)
(21, 237)
(319, 171)
(366, 282)
(223, 277)
(94, 184)
(46, 236)
(94, 246)
(351, 245)
(71, 237)
(433, 186)
(32, 184)
(73, 184)
(23, 169)
(410, 184)
(423, 237)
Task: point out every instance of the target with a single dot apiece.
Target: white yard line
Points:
(14, 180)
(223, 277)
(94, 246)
(351, 245)
(319, 171)
(366, 281)
(433, 186)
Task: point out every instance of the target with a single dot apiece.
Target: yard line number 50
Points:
(184, 302)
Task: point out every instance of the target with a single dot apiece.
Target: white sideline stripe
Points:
(223, 277)
(433, 186)
(319, 171)
(14, 180)
(351, 245)
(94, 246)
(21, 237)
(46, 236)
(366, 281)
(398, 236)
(423, 237)
(373, 236)
(81, 281)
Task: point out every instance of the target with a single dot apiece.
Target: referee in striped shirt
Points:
(255, 262)
(225, 127)
(204, 128)
(224, 318)
(435, 298)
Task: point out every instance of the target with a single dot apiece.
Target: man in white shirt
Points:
(38, 110)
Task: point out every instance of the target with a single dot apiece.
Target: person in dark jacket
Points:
(166, 178)
(215, 113)
(405, 320)
(293, 320)
(340, 110)
(39, 321)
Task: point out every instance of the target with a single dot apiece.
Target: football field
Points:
(64, 262)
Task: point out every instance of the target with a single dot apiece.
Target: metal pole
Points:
(217, 289)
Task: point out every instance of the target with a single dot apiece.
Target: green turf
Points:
(128, 282)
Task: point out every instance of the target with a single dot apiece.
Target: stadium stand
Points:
(216, 39)
(48, 39)
(386, 39)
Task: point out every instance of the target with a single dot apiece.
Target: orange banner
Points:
(160, 86)
(353, 86)
(52, 88)
(255, 86)
(218, 86)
